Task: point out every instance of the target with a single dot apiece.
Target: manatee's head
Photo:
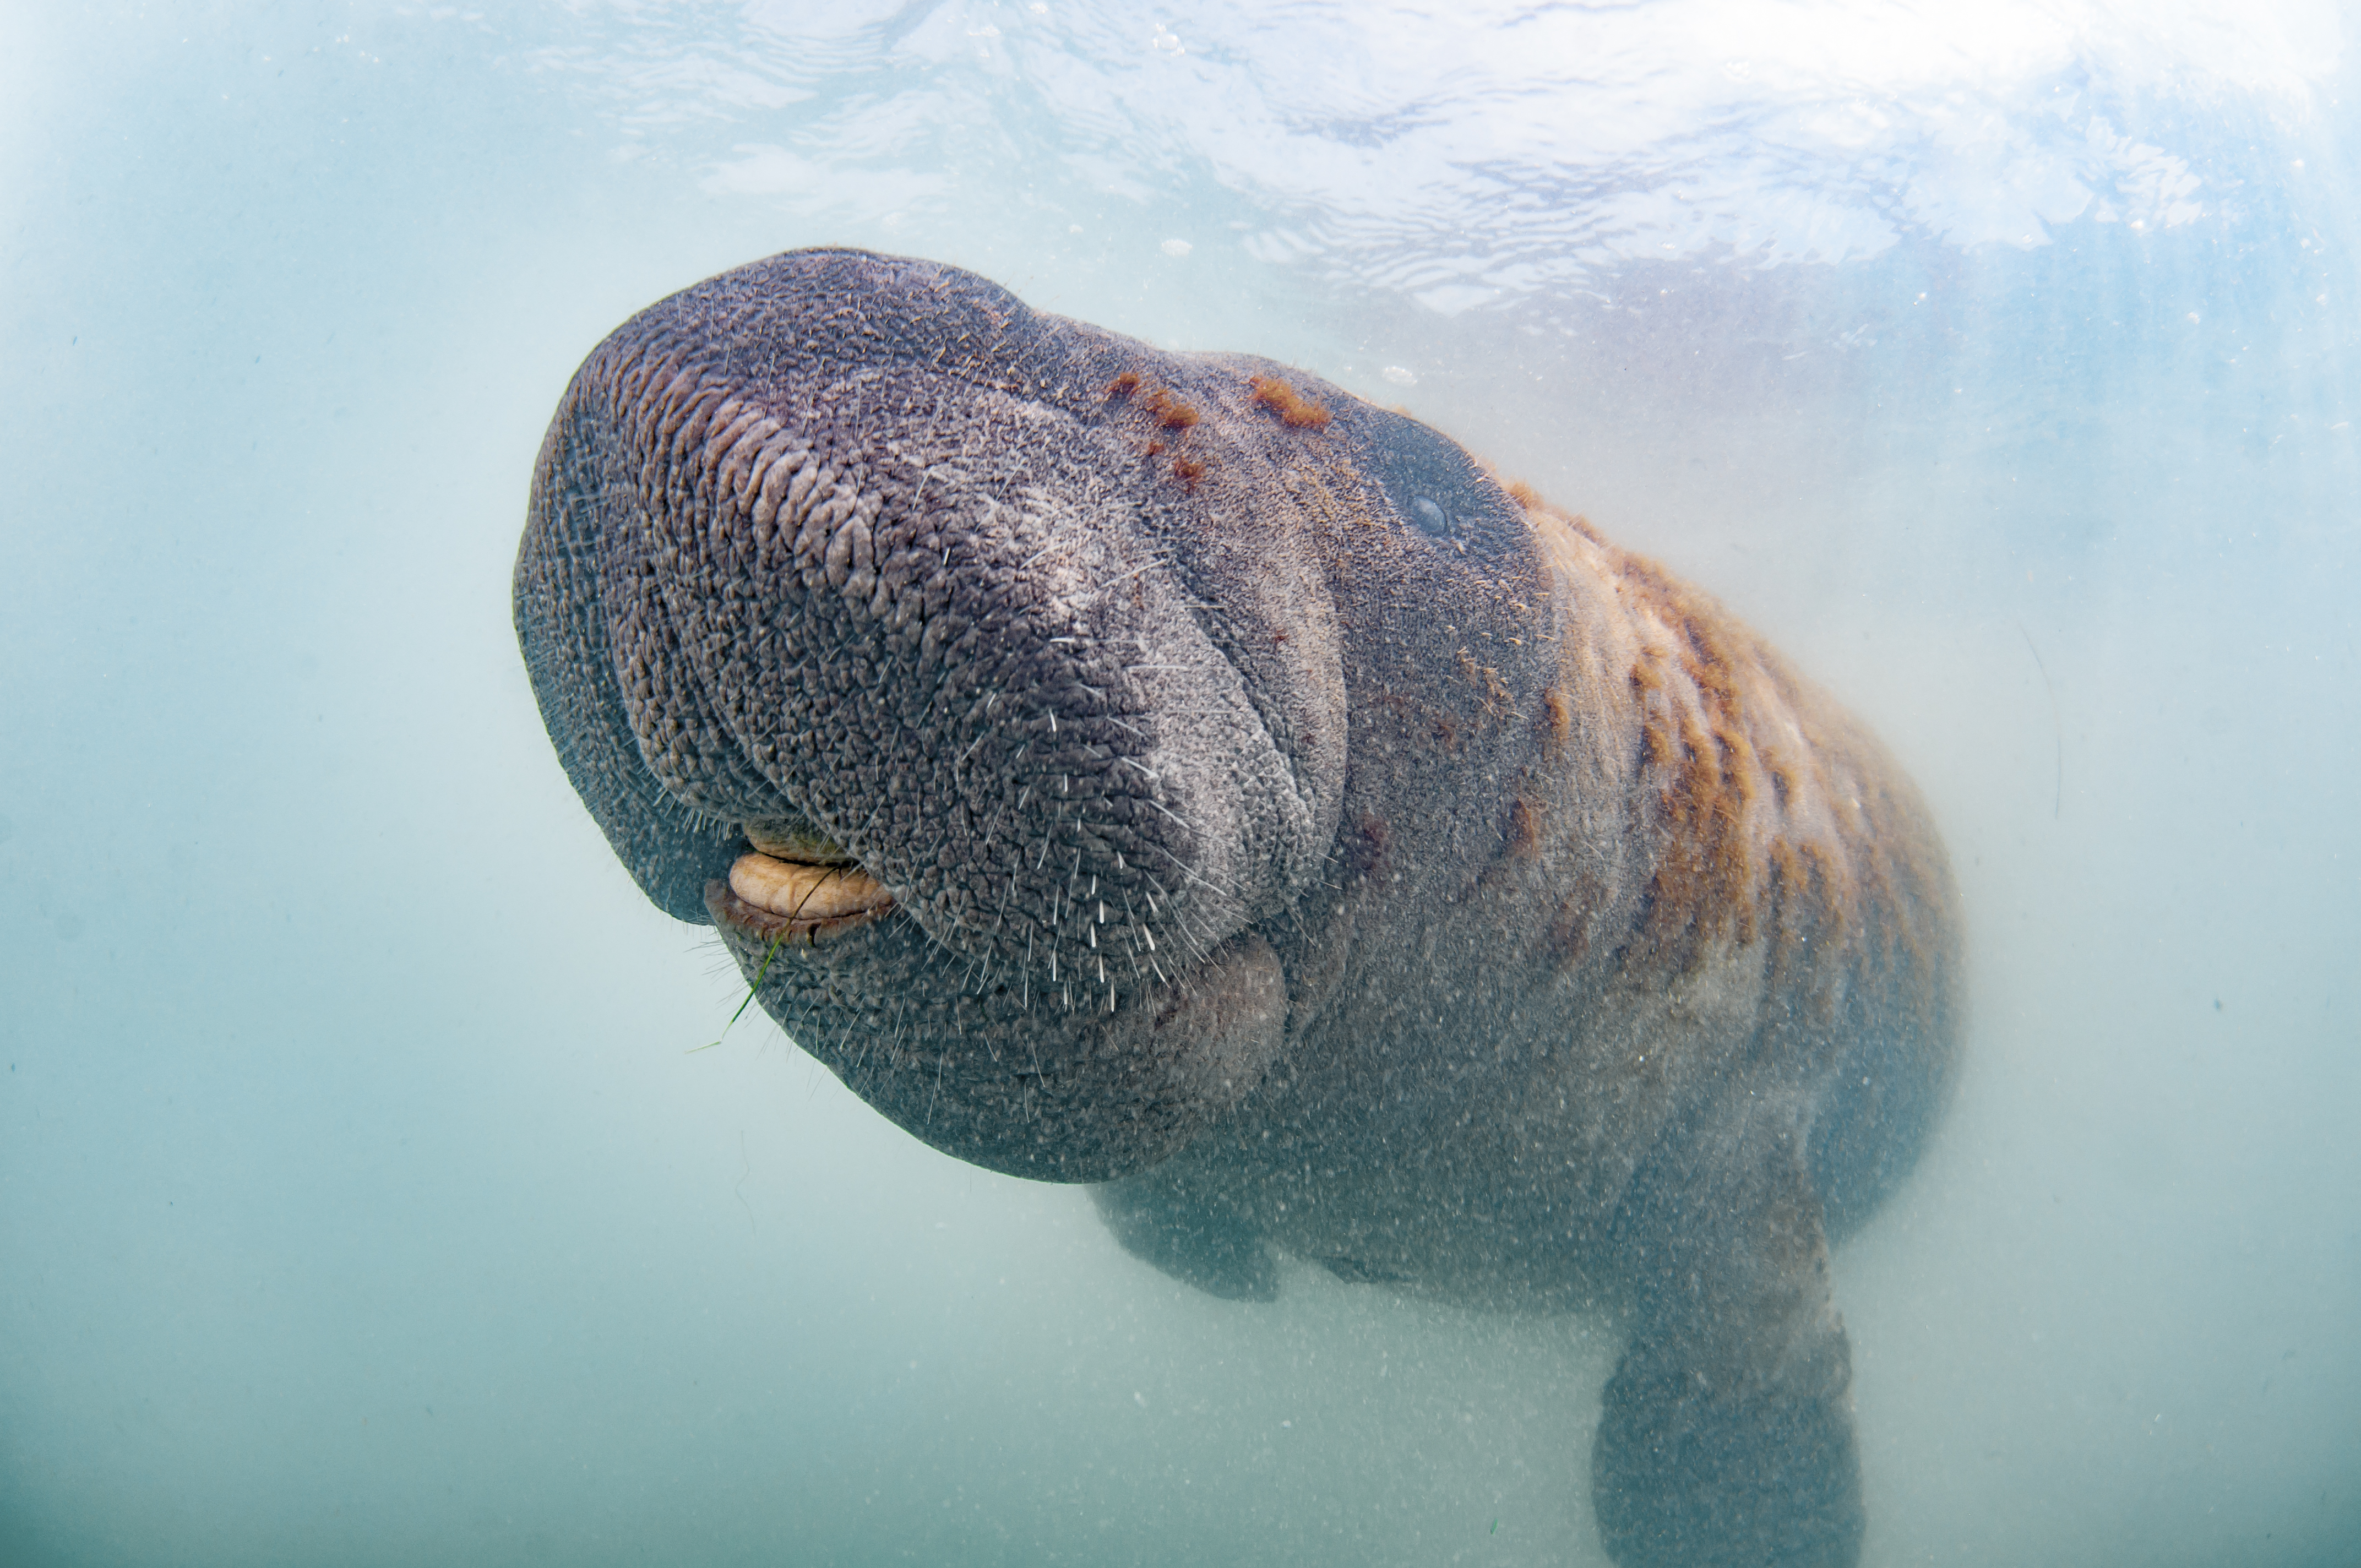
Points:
(978, 674)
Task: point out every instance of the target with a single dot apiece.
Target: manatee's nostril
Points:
(789, 839)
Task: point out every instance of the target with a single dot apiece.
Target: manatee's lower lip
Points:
(776, 898)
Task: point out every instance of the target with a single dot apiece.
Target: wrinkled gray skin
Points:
(1286, 828)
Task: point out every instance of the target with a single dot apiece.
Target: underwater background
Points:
(364, 1196)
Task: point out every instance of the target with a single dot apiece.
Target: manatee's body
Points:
(1166, 771)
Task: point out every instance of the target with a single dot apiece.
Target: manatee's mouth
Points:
(795, 886)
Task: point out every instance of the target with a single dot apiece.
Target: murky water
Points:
(361, 1197)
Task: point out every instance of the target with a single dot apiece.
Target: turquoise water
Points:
(362, 1199)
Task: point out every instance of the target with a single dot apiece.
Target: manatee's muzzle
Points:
(862, 628)
(932, 641)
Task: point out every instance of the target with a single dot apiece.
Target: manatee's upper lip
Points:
(777, 899)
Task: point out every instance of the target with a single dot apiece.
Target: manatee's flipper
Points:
(1727, 1439)
(1763, 1472)
(1217, 1253)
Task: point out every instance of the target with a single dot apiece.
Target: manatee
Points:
(1171, 773)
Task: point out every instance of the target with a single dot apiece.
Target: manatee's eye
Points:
(1435, 486)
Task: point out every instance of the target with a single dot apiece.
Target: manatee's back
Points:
(1789, 845)
(1906, 1014)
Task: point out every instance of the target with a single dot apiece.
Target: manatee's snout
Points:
(866, 621)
